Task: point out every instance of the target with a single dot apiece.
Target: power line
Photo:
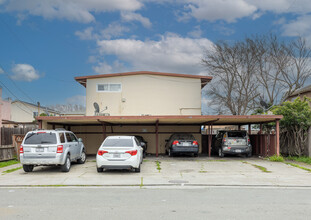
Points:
(14, 95)
(5, 72)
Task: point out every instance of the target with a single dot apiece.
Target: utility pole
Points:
(38, 108)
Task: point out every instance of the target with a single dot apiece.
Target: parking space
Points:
(165, 171)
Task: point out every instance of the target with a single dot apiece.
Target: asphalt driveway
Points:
(165, 171)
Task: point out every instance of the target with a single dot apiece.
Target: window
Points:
(35, 114)
(73, 138)
(109, 87)
(40, 138)
(68, 137)
(118, 143)
(62, 137)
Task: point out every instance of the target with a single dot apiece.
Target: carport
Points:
(94, 129)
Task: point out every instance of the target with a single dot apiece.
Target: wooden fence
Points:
(8, 146)
(7, 152)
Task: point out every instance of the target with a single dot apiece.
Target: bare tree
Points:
(261, 69)
(234, 88)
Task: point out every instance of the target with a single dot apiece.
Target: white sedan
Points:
(119, 152)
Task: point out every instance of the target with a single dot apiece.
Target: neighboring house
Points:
(5, 109)
(143, 93)
(26, 112)
(303, 92)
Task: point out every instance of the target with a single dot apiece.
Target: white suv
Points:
(51, 147)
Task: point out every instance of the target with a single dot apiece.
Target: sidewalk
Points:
(164, 171)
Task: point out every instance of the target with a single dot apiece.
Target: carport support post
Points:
(157, 138)
(209, 139)
(40, 124)
(104, 131)
(249, 129)
(277, 133)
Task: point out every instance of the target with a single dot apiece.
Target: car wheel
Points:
(99, 170)
(196, 155)
(28, 168)
(137, 170)
(170, 154)
(66, 166)
(82, 158)
(144, 155)
(249, 154)
(220, 153)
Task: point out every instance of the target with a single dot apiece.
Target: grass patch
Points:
(263, 169)
(298, 166)
(146, 160)
(92, 160)
(158, 165)
(302, 159)
(202, 170)
(276, 158)
(8, 163)
(141, 182)
(218, 160)
(11, 170)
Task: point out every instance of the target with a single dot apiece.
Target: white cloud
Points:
(73, 10)
(230, 11)
(76, 100)
(213, 10)
(24, 72)
(299, 27)
(196, 33)
(86, 34)
(131, 16)
(1, 71)
(104, 67)
(113, 30)
(171, 53)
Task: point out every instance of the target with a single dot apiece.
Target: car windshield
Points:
(183, 137)
(118, 143)
(236, 134)
(41, 138)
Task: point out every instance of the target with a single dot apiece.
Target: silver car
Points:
(51, 147)
(233, 142)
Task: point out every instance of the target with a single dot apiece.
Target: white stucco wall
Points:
(146, 94)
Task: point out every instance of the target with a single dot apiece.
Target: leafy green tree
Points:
(294, 125)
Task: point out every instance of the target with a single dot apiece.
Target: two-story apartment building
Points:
(150, 104)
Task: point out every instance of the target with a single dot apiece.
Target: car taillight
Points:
(21, 149)
(131, 152)
(59, 149)
(195, 143)
(175, 142)
(248, 140)
(225, 140)
(102, 152)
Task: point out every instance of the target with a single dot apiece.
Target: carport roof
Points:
(169, 119)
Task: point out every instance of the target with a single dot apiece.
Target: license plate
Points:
(185, 144)
(238, 151)
(116, 156)
(39, 149)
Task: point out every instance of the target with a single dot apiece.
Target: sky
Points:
(44, 44)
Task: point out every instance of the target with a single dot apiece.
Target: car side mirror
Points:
(142, 144)
(79, 139)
